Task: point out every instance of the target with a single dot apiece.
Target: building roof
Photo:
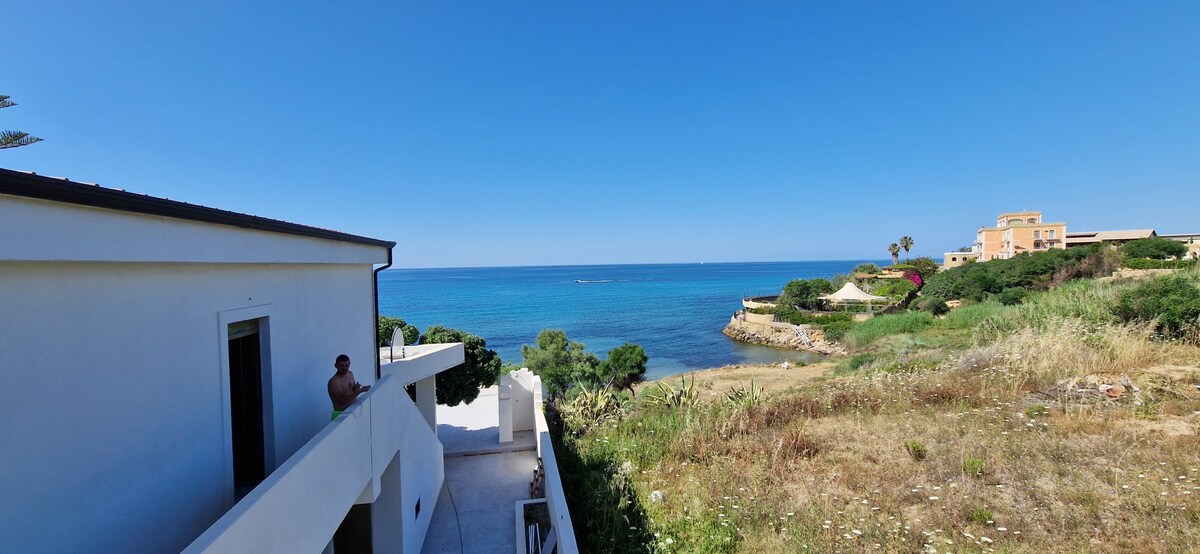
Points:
(1085, 237)
(55, 189)
(1181, 236)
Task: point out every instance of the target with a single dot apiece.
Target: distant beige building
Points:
(1122, 236)
(1014, 233)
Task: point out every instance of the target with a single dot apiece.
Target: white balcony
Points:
(380, 451)
(456, 487)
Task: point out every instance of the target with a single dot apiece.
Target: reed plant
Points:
(873, 329)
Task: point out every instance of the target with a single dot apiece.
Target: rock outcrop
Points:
(782, 335)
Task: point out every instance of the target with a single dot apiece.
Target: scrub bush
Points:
(480, 368)
(388, 323)
(933, 305)
(804, 293)
(1155, 248)
(836, 330)
(1173, 302)
(1011, 296)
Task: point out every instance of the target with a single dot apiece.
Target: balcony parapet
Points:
(300, 505)
(418, 361)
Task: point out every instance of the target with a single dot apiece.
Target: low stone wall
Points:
(759, 318)
(781, 335)
(756, 302)
(1127, 273)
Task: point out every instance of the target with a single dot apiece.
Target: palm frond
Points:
(13, 139)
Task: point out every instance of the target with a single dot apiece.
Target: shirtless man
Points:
(343, 389)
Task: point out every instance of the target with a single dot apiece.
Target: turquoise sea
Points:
(675, 311)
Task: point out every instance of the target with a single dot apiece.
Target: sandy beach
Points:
(772, 378)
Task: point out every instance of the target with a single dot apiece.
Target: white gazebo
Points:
(851, 294)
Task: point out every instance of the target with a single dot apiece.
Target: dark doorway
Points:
(246, 406)
(354, 534)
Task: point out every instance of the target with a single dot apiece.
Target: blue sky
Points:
(509, 133)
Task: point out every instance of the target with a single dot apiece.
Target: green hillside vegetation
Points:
(982, 430)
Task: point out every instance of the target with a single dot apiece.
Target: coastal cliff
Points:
(781, 335)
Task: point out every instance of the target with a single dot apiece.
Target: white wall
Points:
(114, 434)
(52, 231)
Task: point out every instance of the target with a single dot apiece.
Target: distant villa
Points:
(1022, 232)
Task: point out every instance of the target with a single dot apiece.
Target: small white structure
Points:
(165, 359)
(851, 294)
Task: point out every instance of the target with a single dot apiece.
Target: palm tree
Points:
(906, 242)
(13, 139)
(894, 250)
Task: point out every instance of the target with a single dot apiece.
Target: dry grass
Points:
(824, 468)
(1023, 448)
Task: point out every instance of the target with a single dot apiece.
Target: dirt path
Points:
(772, 378)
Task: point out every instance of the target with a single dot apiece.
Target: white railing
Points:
(556, 499)
(301, 504)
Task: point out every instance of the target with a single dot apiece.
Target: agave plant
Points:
(686, 396)
(744, 397)
(591, 407)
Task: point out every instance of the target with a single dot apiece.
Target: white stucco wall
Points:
(52, 231)
(115, 429)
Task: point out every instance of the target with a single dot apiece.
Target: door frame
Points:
(263, 313)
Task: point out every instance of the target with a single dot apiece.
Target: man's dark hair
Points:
(342, 358)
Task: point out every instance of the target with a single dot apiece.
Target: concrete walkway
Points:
(475, 512)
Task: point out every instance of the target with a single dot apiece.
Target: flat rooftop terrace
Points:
(475, 511)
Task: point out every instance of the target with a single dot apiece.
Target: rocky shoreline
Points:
(781, 335)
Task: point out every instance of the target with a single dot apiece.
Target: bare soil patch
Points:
(772, 378)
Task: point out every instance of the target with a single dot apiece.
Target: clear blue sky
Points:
(510, 133)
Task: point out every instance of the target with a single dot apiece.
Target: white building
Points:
(163, 360)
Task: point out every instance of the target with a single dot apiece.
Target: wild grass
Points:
(921, 447)
(873, 329)
(902, 461)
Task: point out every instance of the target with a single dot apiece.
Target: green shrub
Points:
(858, 360)
(388, 323)
(1011, 296)
(1037, 270)
(981, 516)
(1036, 411)
(973, 467)
(794, 316)
(1156, 248)
(480, 367)
(915, 449)
(933, 305)
(926, 267)
(895, 289)
(837, 330)
(805, 293)
(1173, 301)
(865, 268)
(875, 328)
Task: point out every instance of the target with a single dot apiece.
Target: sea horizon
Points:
(600, 264)
(675, 311)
